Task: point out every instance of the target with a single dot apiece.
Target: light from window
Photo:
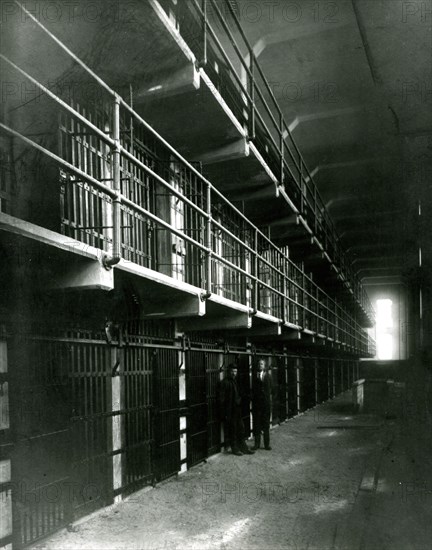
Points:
(384, 329)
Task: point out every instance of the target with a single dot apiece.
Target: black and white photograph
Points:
(215, 274)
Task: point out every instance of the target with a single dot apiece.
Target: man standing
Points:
(261, 405)
(230, 407)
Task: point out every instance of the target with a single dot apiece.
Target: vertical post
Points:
(282, 147)
(256, 300)
(316, 381)
(6, 487)
(116, 213)
(116, 354)
(117, 424)
(204, 57)
(286, 384)
(116, 177)
(301, 186)
(131, 120)
(209, 241)
(250, 357)
(315, 207)
(221, 361)
(252, 94)
(298, 384)
(305, 321)
(313, 305)
(183, 358)
(285, 301)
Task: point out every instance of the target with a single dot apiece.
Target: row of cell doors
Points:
(91, 421)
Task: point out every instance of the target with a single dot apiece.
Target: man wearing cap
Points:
(230, 408)
(261, 405)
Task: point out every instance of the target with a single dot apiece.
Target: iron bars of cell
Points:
(235, 264)
(267, 127)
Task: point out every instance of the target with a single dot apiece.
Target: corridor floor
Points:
(333, 480)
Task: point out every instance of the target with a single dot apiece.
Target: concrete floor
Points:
(333, 480)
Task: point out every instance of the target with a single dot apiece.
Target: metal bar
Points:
(116, 219)
(252, 101)
(281, 148)
(186, 163)
(255, 255)
(208, 27)
(209, 238)
(204, 9)
(160, 222)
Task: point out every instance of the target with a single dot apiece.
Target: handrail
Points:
(317, 205)
(361, 298)
(343, 322)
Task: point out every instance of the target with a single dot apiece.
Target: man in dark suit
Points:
(261, 405)
(230, 409)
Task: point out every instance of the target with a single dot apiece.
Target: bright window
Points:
(384, 329)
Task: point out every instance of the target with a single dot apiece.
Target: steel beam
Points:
(234, 150)
(83, 275)
(185, 79)
(235, 320)
(182, 306)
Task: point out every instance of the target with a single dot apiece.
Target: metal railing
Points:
(223, 50)
(125, 190)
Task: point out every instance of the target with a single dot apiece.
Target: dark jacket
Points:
(229, 398)
(262, 391)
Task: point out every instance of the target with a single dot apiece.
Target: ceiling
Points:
(354, 81)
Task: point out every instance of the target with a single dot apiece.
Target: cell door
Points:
(213, 418)
(308, 383)
(90, 368)
(275, 391)
(42, 487)
(166, 418)
(282, 388)
(196, 402)
(244, 384)
(323, 386)
(138, 416)
(292, 386)
(203, 422)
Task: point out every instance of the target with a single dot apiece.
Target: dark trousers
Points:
(261, 423)
(234, 431)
